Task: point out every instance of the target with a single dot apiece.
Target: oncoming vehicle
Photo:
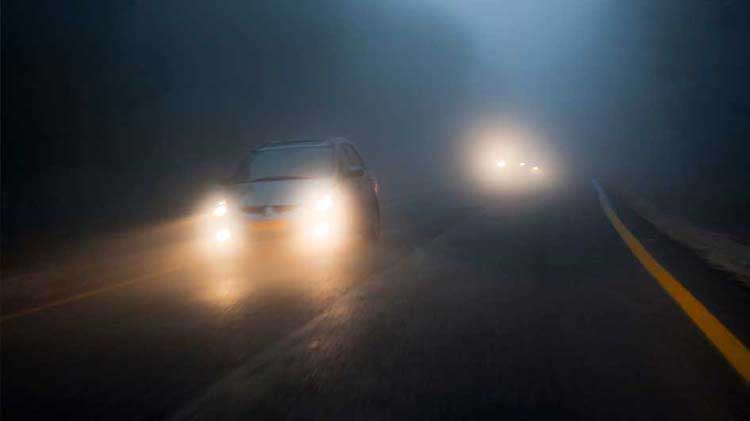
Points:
(519, 167)
(316, 193)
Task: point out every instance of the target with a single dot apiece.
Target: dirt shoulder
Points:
(720, 249)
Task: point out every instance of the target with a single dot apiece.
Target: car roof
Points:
(303, 143)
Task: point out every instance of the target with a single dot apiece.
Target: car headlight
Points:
(223, 235)
(220, 209)
(323, 204)
(321, 229)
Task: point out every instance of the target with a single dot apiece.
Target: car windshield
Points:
(286, 163)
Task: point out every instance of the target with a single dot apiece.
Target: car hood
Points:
(282, 192)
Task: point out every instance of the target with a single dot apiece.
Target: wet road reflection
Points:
(158, 342)
(224, 281)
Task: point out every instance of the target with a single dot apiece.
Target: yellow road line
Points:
(735, 352)
(84, 295)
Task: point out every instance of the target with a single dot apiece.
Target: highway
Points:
(472, 306)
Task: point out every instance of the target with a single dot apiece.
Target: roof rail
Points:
(293, 142)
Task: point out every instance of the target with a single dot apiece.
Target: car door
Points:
(369, 183)
(358, 183)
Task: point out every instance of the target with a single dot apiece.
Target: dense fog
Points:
(121, 113)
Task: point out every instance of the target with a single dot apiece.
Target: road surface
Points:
(528, 306)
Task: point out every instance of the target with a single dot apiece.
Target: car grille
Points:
(269, 210)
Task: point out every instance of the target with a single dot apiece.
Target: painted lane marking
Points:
(734, 351)
(85, 295)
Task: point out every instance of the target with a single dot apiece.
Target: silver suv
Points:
(319, 192)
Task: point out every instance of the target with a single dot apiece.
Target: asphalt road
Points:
(521, 305)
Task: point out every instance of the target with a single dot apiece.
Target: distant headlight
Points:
(323, 204)
(220, 209)
(535, 168)
(501, 163)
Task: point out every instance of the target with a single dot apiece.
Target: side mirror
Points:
(355, 171)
